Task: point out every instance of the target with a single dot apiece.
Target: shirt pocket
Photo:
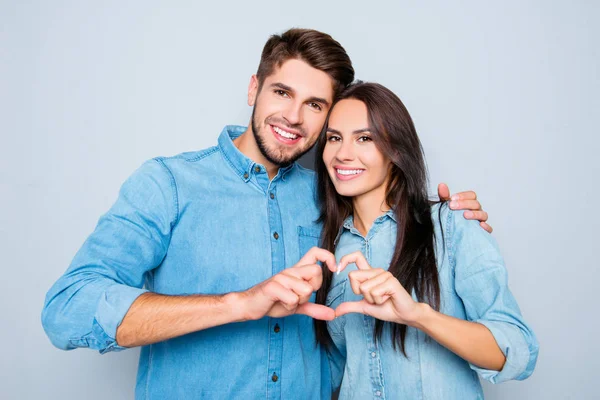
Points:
(307, 239)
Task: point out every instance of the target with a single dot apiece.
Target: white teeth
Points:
(349, 171)
(284, 133)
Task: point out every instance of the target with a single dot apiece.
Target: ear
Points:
(252, 90)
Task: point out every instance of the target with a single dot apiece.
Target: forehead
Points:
(349, 115)
(305, 80)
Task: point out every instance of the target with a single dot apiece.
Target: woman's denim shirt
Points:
(473, 287)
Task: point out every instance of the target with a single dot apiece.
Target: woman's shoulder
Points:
(458, 233)
(453, 222)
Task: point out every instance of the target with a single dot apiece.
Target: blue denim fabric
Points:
(200, 222)
(474, 287)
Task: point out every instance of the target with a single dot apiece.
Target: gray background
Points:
(504, 97)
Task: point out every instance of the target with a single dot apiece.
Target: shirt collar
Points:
(349, 222)
(242, 165)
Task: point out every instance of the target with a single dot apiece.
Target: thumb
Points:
(352, 307)
(443, 192)
(316, 311)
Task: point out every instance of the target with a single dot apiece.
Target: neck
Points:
(368, 207)
(248, 146)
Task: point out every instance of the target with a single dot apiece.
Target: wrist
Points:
(235, 304)
(423, 316)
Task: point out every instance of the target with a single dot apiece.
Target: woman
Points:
(437, 310)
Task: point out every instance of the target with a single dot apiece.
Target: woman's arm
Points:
(387, 300)
(469, 340)
(495, 339)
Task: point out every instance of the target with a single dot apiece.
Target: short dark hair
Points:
(317, 49)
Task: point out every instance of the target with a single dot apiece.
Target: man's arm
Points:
(153, 318)
(100, 296)
(85, 305)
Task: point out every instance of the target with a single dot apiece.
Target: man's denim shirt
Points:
(207, 222)
(473, 286)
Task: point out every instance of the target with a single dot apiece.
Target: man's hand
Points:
(465, 201)
(289, 291)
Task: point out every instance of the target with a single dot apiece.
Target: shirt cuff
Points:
(521, 356)
(112, 307)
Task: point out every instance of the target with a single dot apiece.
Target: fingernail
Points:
(453, 204)
(454, 197)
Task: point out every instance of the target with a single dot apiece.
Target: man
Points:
(210, 235)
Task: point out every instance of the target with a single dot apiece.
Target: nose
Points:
(345, 151)
(293, 113)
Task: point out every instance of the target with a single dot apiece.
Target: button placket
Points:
(276, 325)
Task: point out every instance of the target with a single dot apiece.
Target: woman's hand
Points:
(387, 300)
(384, 296)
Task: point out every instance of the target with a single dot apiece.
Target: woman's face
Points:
(355, 165)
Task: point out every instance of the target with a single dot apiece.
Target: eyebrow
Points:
(356, 132)
(312, 99)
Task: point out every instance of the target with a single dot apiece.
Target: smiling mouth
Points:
(349, 172)
(285, 136)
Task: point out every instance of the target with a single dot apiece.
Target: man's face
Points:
(289, 110)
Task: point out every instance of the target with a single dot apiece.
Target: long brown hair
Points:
(317, 49)
(413, 262)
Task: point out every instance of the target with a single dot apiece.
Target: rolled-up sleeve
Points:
(87, 304)
(481, 281)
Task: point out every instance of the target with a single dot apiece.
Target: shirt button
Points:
(272, 196)
(373, 354)
(276, 235)
(257, 169)
(246, 175)
(378, 393)
(274, 378)
(277, 328)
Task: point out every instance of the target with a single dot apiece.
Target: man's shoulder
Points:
(190, 156)
(190, 160)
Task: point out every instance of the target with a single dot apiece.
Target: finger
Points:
(487, 227)
(443, 192)
(481, 216)
(316, 254)
(357, 258)
(278, 293)
(367, 286)
(352, 307)
(385, 290)
(312, 274)
(299, 286)
(465, 205)
(470, 195)
(358, 277)
(316, 311)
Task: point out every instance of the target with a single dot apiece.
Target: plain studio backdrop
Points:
(504, 97)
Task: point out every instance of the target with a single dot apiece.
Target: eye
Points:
(334, 138)
(316, 106)
(364, 138)
(281, 93)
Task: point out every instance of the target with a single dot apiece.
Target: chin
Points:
(347, 192)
